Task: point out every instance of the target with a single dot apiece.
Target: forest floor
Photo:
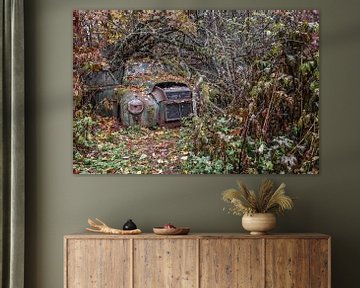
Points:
(115, 149)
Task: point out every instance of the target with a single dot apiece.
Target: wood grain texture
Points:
(165, 263)
(287, 263)
(88, 235)
(319, 263)
(231, 263)
(98, 264)
(197, 260)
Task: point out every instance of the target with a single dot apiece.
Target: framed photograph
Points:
(196, 91)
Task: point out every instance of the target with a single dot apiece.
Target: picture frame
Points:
(160, 92)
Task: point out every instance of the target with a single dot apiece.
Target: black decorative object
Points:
(129, 225)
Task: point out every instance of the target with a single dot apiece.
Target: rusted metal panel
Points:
(158, 94)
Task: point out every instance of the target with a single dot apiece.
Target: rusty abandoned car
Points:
(166, 105)
(155, 104)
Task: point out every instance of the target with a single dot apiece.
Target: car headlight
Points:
(135, 106)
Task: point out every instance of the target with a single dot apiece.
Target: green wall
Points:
(59, 203)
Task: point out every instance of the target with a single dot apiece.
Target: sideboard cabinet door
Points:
(231, 263)
(98, 263)
(320, 263)
(165, 263)
(297, 263)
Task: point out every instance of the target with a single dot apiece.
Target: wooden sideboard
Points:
(197, 261)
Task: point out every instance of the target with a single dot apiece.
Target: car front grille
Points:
(176, 111)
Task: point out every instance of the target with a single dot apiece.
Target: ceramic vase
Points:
(259, 223)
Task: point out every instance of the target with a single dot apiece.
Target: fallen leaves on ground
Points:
(129, 150)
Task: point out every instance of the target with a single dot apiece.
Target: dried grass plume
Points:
(267, 200)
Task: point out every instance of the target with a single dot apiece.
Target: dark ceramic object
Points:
(129, 225)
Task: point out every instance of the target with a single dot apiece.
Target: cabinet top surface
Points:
(86, 235)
